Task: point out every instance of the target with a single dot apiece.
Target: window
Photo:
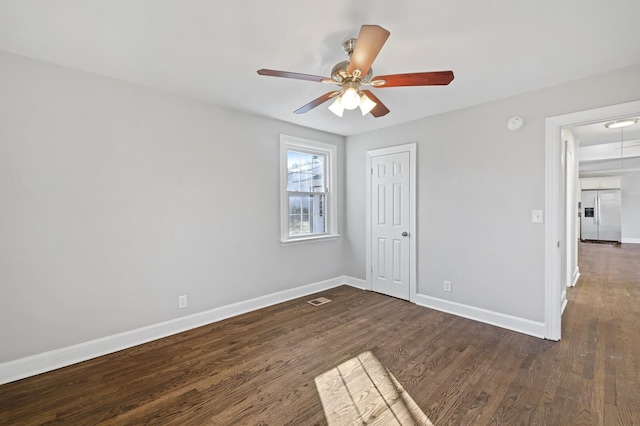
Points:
(307, 197)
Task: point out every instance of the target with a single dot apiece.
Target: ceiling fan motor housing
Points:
(339, 73)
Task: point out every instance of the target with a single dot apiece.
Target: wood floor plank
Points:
(260, 368)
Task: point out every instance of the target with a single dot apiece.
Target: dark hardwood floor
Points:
(259, 368)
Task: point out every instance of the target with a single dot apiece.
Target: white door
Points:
(390, 224)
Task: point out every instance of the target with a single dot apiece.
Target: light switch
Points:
(536, 216)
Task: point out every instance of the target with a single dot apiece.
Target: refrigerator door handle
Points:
(595, 210)
(599, 218)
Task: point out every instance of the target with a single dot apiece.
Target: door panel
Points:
(397, 261)
(390, 210)
(382, 251)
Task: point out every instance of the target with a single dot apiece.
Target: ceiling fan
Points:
(351, 75)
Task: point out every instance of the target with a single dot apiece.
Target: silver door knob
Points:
(405, 234)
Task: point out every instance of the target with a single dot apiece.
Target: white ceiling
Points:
(597, 134)
(598, 146)
(210, 50)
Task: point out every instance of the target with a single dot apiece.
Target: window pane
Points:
(305, 172)
(294, 225)
(295, 215)
(316, 211)
(306, 181)
(318, 173)
(306, 214)
(306, 204)
(293, 171)
(306, 228)
(295, 204)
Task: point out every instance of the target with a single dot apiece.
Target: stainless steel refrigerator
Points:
(600, 219)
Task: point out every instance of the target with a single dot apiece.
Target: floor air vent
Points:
(319, 301)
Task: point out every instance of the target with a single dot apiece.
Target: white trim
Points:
(631, 241)
(356, 282)
(574, 278)
(331, 153)
(553, 180)
(521, 325)
(316, 238)
(58, 358)
(413, 268)
(554, 203)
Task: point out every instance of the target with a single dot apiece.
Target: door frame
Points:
(411, 148)
(555, 201)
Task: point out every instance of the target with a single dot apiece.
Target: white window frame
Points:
(330, 151)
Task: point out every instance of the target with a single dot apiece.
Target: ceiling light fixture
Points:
(351, 98)
(336, 107)
(623, 122)
(366, 104)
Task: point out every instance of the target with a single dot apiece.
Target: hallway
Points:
(601, 328)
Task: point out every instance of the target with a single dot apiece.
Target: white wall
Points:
(477, 184)
(116, 199)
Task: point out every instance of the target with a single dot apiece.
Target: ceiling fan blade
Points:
(318, 101)
(379, 110)
(368, 45)
(295, 75)
(433, 78)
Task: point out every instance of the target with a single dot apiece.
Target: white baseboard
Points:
(52, 360)
(521, 325)
(40, 363)
(563, 301)
(576, 275)
(356, 282)
(631, 241)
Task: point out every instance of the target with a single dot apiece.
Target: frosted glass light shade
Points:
(366, 104)
(336, 107)
(621, 123)
(350, 99)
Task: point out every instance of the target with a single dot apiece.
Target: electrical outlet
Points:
(182, 301)
(447, 286)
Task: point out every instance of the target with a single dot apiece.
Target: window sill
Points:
(309, 239)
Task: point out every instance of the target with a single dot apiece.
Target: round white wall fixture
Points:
(515, 123)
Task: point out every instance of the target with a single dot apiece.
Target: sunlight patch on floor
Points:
(361, 391)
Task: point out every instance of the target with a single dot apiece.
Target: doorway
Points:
(555, 201)
(391, 221)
